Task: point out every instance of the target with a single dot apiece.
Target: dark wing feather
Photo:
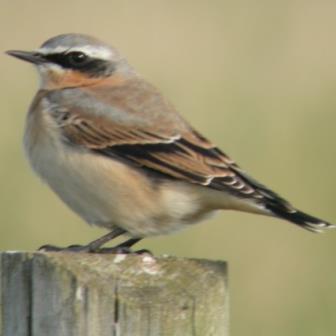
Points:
(183, 155)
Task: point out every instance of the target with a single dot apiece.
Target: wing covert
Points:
(184, 155)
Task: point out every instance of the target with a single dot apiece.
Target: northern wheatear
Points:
(119, 154)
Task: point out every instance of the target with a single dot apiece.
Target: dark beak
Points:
(28, 56)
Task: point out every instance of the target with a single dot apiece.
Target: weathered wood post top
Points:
(69, 294)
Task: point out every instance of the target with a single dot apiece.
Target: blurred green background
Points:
(259, 79)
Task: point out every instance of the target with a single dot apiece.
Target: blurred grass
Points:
(258, 78)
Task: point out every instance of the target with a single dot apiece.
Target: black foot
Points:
(86, 249)
(90, 248)
(122, 250)
(94, 247)
(71, 248)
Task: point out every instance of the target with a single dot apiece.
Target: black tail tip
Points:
(313, 224)
(302, 219)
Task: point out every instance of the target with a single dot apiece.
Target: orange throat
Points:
(54, 80)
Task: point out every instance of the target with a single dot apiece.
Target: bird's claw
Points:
(122, 250)
(88, 249)
(71, 248)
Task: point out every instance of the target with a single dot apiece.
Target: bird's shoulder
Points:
(132, 102)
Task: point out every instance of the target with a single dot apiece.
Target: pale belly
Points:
(108, 193)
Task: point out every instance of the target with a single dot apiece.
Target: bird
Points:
(119, 154)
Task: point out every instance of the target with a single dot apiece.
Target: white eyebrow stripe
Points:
(92, 51)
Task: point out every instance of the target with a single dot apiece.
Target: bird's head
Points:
(74, 60)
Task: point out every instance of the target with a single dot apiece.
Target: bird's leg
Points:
(124, 248)
(91, 247)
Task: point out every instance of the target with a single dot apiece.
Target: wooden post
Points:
(69, 294)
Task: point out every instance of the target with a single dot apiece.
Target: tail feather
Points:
(300, 218)
(281, 208)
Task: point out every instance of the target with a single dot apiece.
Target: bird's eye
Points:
(77, 58)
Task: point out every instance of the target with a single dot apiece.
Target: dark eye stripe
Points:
(94, 67)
